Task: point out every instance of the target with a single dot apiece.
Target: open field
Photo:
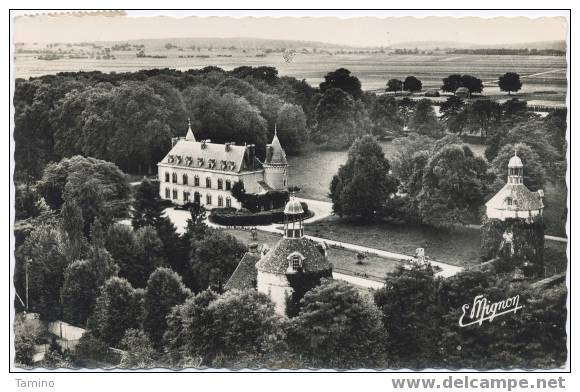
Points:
(543, 74)
(457, 247)
(343, 260)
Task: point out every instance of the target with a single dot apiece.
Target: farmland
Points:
(544, 77)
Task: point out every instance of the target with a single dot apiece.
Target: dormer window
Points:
(211, 163)
(200, 162)
(170, 159)
(295, 262)
(509, 201)
(231, 165)
(224, 165)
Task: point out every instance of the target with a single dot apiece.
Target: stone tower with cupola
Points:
(294, 265)
(513, 228)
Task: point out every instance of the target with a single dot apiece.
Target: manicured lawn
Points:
(458, 247)
(343, 260)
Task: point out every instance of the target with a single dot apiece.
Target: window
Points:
(166, 176)
(509, 201)
(208, 199)
(284, 182)
(167, 192)
(175, 194)
(196, 181)
(220, 183)
(296, 263)
(208, 182)
(228, 202)
(186, 196)
(220, 201)
(174, 178)
(185, 179)
(228, 185)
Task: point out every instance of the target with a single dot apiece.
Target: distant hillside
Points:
(237, 42)
(431, 45)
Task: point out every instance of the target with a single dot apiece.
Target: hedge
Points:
(243, 217)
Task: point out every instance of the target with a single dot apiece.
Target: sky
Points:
(357, 30)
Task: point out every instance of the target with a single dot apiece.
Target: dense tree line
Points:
(129, 118)
(437, 180)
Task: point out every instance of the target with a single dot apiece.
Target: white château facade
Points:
(205, 172)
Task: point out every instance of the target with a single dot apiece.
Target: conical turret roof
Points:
(278, 156)
(189, 135)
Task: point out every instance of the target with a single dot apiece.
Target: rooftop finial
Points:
(515, 151)
(275, 130)
(189, 135)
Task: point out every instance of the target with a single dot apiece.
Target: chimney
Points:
(251, 155)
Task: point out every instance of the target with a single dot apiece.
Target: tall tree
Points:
(214, 258)
(122, 244)
(73, 226)
(291, 125)
(451, 83)
(342, 79)
(338, 326)
(147, 208)
(337, 119)
(244, 321)
(424, 120)
(189, 328)
(164, 291)
(453, 114)
(454, 186)
(116, 311)
(79, 292)
(394, 85)
(385, 117)
(409, 307)
(363, 184)
(412, 84)
(46, 262)
(510, 81)
(99, 188)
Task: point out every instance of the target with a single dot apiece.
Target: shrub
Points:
(243, 217)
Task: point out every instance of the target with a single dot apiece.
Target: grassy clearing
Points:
(459, 247)
(343, 260)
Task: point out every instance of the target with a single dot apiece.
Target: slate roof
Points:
(276, 260)
(245, 274)
(232, 157)
(523, 197)
(277, 155)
